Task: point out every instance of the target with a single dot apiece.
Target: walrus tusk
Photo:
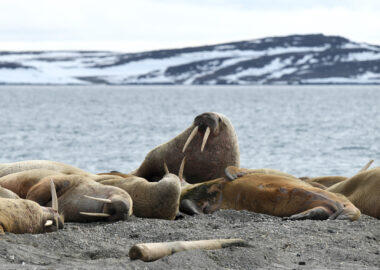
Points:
(205, 137)
(166, 168)
(49, 223)
(366, 166)
(148, 252)
(54, 201)
(181, 168)
(98, 199)
(192, 134)
(94, 214)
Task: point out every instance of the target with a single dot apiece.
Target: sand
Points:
(274, 243)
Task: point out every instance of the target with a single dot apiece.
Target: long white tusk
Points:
(98, 199)
(366, 166)
(205, 137)
(181, 169)
(192, 134)
(94, 214)
(166, 168)
(48, 223)
(54, 199)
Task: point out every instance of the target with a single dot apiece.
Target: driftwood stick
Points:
(148, 252)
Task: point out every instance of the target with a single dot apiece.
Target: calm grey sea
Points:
(302, 130)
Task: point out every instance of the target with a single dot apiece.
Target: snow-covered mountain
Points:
(296, 59)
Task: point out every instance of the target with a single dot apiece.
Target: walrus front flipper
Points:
(318, 213)
(232, 173)
(189, 207)
(40, 192)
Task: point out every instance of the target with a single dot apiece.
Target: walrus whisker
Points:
(94, 214)
(192, 135)
(366, 166)
(166, 168)
(48, 223)
(181, 168)
(205, 137)
(98, 199)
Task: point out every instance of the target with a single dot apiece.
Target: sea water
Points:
(302, 130)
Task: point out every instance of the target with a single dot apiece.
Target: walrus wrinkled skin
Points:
(113, 204)
(363, 190)
(21, 182)
(270, 194)
(150, 200)
(8, 194)
(211, 132)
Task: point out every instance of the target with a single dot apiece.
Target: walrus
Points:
(150, 200)
(363, 190)
(25, 216)
(210, 144)
(271, 194)
(81, 198)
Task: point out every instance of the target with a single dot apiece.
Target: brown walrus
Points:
(81, 199)
(210, 145)
(84, 200)
(270, 194)
(151, 200)
(363, 190)
(25, 216)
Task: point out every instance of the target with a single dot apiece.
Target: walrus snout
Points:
(205, 120)
(120, 208)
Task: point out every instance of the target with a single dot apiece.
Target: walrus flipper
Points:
(318, 213)
(232, 173)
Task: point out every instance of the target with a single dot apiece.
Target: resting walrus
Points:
(271, 194)
(151, 200)
(81, 199)
(210, 145)
(363, 190)
(25, 216)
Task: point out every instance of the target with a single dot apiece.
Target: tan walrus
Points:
(25, 216)
(270, 194)
(150, 200)
(81, 199)
(210, 145)
(363, 190)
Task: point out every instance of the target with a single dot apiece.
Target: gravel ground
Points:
(274, 243)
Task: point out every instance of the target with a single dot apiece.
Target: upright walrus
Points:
(210, 145)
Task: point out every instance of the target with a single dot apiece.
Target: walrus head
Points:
(202, 198)
(205, 124)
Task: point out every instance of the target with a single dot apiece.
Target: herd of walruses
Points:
(197, 172)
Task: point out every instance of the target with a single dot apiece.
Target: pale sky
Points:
(139, 25)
